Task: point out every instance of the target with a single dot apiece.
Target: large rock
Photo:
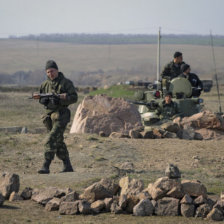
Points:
(143, 208)
(205, 119)
(9, 183)
(53, 204)
(162, 186)
(215, 215)
(202, 211)
(187, 210)
(167, 207)
(102, 113)
(72, 196)
(100, 190)
(84, 207)
(2, 199)
(97, 206)
(45, 195)
(194, 188)
(130, 186)
(69, 208)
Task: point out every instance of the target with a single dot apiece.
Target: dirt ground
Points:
(95, 157)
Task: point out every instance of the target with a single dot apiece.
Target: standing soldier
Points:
(57, 115)
(172, 69)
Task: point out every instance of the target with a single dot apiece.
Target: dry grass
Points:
(17, 55)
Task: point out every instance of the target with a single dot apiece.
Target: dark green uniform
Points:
(168, 111)
(57, 115)
(171, 70)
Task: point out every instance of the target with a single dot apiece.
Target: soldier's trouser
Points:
(56, 124)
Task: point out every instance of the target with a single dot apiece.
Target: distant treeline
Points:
(125, 39)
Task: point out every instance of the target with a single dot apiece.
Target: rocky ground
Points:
(95, 157)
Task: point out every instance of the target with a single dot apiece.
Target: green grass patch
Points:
(116, 91)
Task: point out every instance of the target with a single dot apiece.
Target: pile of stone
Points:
(202, 126)
(117, 118)
(167, 196)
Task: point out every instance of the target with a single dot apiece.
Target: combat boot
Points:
(67, 166)
(45, 167)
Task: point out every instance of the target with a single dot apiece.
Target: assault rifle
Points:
(152, 104)
(38, 96)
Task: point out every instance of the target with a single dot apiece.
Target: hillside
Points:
(22, 61)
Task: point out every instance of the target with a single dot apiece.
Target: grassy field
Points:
(94, 157)
(118, 62)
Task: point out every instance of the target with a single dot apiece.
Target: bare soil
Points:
(95, 157)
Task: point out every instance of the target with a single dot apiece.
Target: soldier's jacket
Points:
(171, 70)
(58, 86)
(168, 111)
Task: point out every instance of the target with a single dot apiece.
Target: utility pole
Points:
(158, 58)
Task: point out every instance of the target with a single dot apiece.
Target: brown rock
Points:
(107, 114)
(68, 208)
(108, 202)
(202, 211)
(73, 196)
(144, 195)
(27, 193)
(14, 196)
(45, 195)
(110, 185)
(2, 199)
(96, 192)
(220, 205)
(118, 135)
(194, 188)
(175, 192)
(97, 206)
(200, 200)
(130, 186)
(215, 215)
(186, 199)
(84, 207)
(157, 133)
(9, 183)
(143, 208)
(102, 134)
(170, 127)
(132, 200)
(208, 134)
(148, 134)
(187, 210)
(162, 186)
(205, 119)
(53, 204)
(123, 200)
(167, 207)
(135, 134)
(115, 208)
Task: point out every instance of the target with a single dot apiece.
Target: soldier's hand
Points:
(36, 96)
(63, 96)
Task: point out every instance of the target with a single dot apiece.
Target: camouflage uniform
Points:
(168, 111)
(171, 70)
(57, 116)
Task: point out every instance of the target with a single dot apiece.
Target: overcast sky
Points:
(23, 17)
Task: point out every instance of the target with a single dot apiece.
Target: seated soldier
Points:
(172, 70)
(168, 109)
(196, 83)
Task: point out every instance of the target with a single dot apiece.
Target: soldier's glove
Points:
(54, 100)
(44, 100)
